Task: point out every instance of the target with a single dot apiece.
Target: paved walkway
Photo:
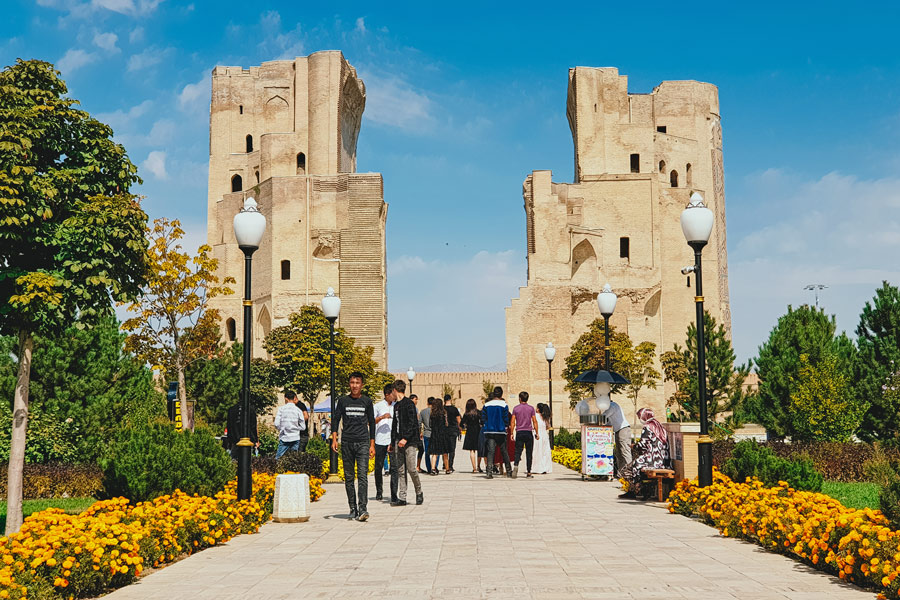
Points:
(551, 537)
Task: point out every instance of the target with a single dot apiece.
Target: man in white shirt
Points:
(622, 428)
(291, 425)
(384, 418)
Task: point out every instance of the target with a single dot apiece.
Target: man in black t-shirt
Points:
(356, 413)
(453, 419)
(304, 434)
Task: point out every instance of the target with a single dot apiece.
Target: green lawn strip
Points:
(852, 495)
(70, 505)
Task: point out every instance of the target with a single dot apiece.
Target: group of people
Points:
(396, 434)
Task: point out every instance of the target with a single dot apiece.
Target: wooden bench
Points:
(662, 478)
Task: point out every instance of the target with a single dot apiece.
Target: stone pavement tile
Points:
(551, 537)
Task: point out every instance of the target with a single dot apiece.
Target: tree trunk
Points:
(15, 479)
(187, 413)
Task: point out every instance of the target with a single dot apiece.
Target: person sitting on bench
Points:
(650, 452)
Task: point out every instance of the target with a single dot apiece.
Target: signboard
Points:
(676, 445)
(177, 407)
(597, 444)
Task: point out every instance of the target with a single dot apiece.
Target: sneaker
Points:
(490, 475)
(394, 500)
(354, 514)
(399, 503)
(363, 517)
(420, 498)
(529, 476)
(379, 496)
(515, 471)
(510, 475)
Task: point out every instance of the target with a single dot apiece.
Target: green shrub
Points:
(567, 439)
(156, 459)
(49, 438)
(318, 447)
(300, 462)
(750, 459)
(268, 439)
(57, 480)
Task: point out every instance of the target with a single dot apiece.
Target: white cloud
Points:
(361, 25)
(156, 164)
(124, 119)
(392, 102)
(106, 41)
(128, 7)
(195, 96)
(838, 230)
(277, 43)
(148, 58)
(459, 303)
(136, 36)
(74, 59)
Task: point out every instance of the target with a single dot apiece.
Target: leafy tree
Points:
(300, 354)
(447, 390)
(676, 369)
(214, 384)
(808, 332)
(821, 402)
(878, 343)
(487, 388)
(724, 380)
(71, 234)
(84, 378)
(587, 353)
(174, 325)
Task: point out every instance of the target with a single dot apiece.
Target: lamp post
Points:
(249, 226)
(331, 306)
(550, 354)
(697, 223)
(606, 302)
(410, 374)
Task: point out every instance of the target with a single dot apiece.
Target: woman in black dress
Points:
(440, 436)
(472, 423)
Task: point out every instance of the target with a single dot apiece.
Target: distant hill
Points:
(455, 368)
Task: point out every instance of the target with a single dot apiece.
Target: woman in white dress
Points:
(543, 462)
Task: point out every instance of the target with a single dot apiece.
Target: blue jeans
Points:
(286, 447)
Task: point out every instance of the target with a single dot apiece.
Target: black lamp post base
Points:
(245, 483)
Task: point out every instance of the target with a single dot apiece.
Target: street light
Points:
(550, 354)
(249, 226)
(697, 223)
(410, 374)
(331, 306)
(606, 301)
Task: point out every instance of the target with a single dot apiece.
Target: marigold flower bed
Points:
(857, 545)
(567, 457)
(55, 555)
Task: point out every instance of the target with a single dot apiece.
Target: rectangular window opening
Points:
(624, 248)
(635, 163)
(241, 109)
(689, 281)
(661, 128)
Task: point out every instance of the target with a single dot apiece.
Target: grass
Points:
(70, 505)
(852, 495)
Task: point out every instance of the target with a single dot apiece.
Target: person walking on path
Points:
(495, 418)
(290, 422)
(425, 425)
(622, 428)
(471, 421)
(440, 436)
(543, 462)
(453, 422)
(405, 443)
(356, 413)
(384, 417)
(524, 423)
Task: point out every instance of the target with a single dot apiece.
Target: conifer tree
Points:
(802, 332)
(878, 343)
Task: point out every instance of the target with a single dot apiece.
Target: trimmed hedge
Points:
(57, 480)
(836, 461)
(752, 460)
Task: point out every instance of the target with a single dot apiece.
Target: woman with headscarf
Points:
(650, 452)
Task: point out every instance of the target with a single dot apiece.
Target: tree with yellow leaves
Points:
(173, 325)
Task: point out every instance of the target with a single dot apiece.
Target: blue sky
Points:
(465, 99)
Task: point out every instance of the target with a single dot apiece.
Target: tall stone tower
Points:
(638, 158)
(285, 132)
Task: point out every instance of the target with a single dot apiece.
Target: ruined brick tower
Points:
(638, 158)
(285, 132)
